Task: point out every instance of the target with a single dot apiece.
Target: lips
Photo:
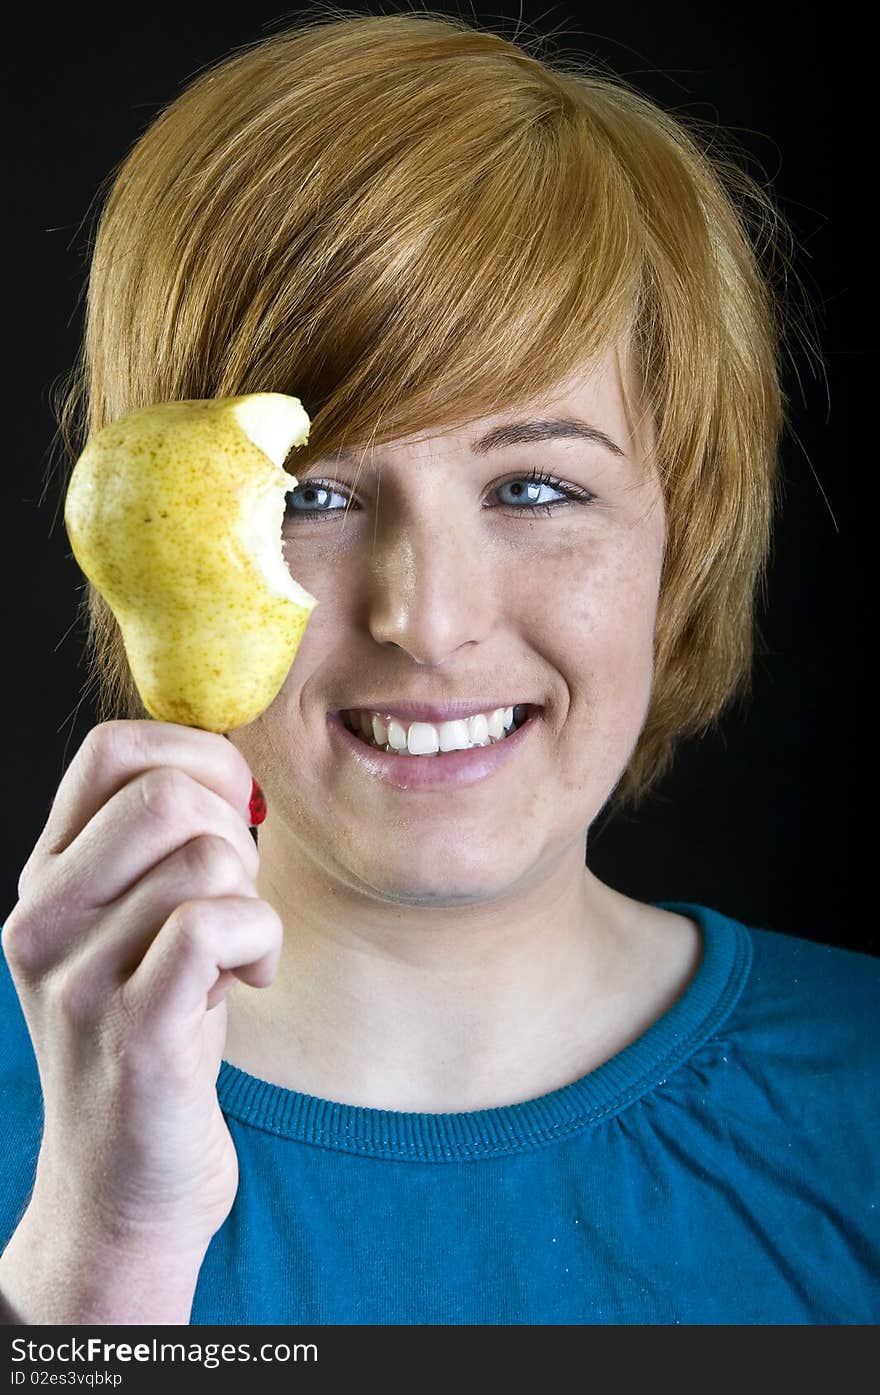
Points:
(437, 773)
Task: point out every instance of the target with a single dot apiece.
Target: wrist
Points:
(74, 1274)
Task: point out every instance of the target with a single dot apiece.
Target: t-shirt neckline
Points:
(422, 1137)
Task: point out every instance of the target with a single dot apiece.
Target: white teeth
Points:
(427, 739)
(396, 736)
(454, 736)
(422, 739)
(496, 722)
(479, 728)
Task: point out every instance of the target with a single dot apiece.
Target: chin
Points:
(443, 885)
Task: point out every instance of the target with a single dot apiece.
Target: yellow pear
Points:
(174, 512)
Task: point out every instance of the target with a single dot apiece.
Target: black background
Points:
(760, 819)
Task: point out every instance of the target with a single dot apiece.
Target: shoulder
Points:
(819, 993)
(803, 1033)
(790, 984)
(786, 1027)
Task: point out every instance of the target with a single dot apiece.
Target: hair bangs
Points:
(468, 272)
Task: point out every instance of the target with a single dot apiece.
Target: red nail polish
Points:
(258, 809)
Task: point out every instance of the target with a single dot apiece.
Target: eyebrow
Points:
(518, 433)
(545, 429)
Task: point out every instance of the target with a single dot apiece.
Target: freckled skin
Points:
(422, 929)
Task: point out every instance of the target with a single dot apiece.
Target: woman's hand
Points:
(137, 910)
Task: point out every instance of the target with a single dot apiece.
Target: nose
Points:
(431, 587)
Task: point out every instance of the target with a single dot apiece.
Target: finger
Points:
(225, 981)
(144, 823)
(161, 840)
(114, 753)
(196, 944)
(205, 869)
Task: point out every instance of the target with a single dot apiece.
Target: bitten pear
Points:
(174, 513)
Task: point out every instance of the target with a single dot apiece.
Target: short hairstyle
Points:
(410, 222)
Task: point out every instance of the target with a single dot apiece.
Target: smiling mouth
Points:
(425, 738)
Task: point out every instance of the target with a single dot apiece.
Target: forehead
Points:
(603, 394)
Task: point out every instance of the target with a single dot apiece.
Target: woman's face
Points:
(442, 584)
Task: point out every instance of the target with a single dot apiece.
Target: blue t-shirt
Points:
(722, 1168)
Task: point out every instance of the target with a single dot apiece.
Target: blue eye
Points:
(315, 493)
(534, 482)
(316, 496)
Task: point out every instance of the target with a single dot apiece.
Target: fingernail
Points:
(257, 808)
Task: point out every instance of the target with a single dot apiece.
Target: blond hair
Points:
(409, 223)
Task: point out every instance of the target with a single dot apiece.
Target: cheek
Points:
(617, 629)
(603, 646)
(603, 605)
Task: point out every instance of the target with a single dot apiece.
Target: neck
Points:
(446, 1008)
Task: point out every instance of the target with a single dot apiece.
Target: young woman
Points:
(524, 310)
